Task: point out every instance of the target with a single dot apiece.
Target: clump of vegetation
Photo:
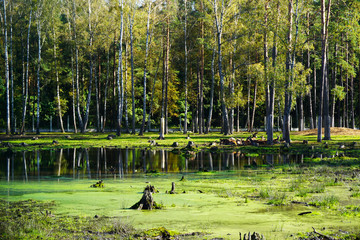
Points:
(274, 197)
(33, 220)
(99, 184)
(350, 210)
(327, 201)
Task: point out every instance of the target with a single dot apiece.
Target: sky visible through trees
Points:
(201, 65)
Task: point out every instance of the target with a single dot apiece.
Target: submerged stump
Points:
(146, 202)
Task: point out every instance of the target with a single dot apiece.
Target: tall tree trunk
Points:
(152, 95)
(88, 100)
(167, 71)
(97, 96)
(131, 22)
(201, 97)
(12, 120)
(7, 80)
(269, 85)
(106, 90)
(185, 73)
(325, 83)
(238, 118)
(248, 121)
(78, 110)
(289, 70)
(308, 77)
(145, 70)
(232, 91)
(72, 81)
(126, 90)
(114, 86)
(346, 102)
(352, 102)
(163, 86)
(38, 76)
(212, 88)
(119, 81)
(334, 85)
(254, 106)
(219, 28)
(301, 113)
(197, 96)
(26, 82)
(57, 85)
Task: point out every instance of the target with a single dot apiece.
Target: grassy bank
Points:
(340, 136)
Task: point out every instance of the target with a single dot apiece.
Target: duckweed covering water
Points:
(265, 198)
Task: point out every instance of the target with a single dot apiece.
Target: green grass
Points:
(45, 140)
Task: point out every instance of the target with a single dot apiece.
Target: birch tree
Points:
(7, 80)
(145, 68)
(219, 21)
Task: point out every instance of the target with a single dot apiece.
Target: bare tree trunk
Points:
(152, 94)
(308, 77)
(185, 73)
(289, 70)
(57, 86)
(167, 71)
(325, 82)
(219, 28)
(248, 105)
(163, 85)
(12, 120)
(145, 70)
(201, 96)
(106, 90)
(197, 96)
(315, 100)
(334, 85)
(7, 80)
(269, 130)
(271, 85)
(38, 76)
(232, 91)
(346, 107)
(119, 81)
(26, 80)
(126, 90)
(97, 93)
(301, 113)
(254, 106)
(212, 89)
(88, 100)
(238, 118)
(78, 110)
(72, 80)
(131, 22)
(352, 102)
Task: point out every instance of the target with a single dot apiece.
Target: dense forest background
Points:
(124, 64)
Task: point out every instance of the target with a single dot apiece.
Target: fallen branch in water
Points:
(322, 235)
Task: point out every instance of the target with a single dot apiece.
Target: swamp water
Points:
(220, 194)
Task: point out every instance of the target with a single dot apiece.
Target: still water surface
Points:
(102, 163)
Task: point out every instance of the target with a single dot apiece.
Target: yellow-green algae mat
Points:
(227, 203)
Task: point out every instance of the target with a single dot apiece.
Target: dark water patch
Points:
(102, 163)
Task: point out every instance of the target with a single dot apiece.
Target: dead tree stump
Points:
(172, 188)
(146, 202)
